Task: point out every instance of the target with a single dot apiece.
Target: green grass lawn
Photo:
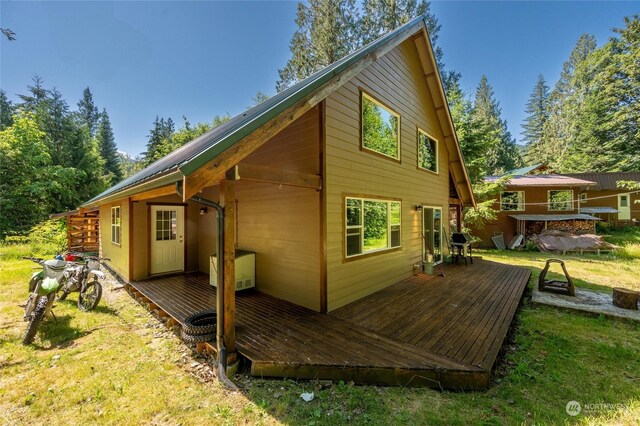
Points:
(116, 365)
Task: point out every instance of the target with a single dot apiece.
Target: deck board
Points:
(423, 331)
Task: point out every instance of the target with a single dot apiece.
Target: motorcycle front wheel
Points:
(90, 297)
(34, 320)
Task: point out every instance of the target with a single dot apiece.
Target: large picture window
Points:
(380, 128)
(427, 152)
(371, 225)
(512, 201)
(115, 225)
(560, 200)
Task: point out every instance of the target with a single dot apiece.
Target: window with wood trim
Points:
(560, 200)
(371, 225)
(115, 225)
(512, 201)
(380, 128)
(582, 197)
(427, 152)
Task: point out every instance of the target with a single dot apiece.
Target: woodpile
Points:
(577, 227)
(83, 232)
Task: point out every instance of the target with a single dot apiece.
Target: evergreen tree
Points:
(37, 93)
(537, 115)
(326, 33)
(88, 111)
(159, 135)
(6, 111)
(108, 149)
(501, 153)
(565, 108)
(329, 30)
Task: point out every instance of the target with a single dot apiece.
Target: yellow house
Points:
(341, 185)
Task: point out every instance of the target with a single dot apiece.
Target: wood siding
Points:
(280, 223)
(397, 80)
(117, 253)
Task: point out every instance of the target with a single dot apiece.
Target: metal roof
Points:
(190, 157)
(544, 180)
(550, 217)
(607, 181)
(524, 170)
(596, 210)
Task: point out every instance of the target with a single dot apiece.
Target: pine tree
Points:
(537, 115)
(565, 108)
(6, 111)
(501, 153)
(159, 136)
(328, 30)
(326, 33)
(108, 149)
(37, 94)
(88, 111)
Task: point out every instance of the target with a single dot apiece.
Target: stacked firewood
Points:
(572, 226)
(577, 227)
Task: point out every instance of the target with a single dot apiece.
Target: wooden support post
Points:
(227, 201)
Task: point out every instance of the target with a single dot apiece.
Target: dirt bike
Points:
(56, 276)
(82, 275)
(42, 287)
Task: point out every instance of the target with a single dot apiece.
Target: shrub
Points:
(49, 236)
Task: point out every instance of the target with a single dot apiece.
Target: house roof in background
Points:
(606, 181)
(526, 170)
(544, 180)
(550, 217)
(596, 210)
(190, 157)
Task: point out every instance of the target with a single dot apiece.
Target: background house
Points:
(607, 200)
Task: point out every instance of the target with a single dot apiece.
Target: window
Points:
(512, 201)
(115, 225)
(624, 201)
(166, 225)
(380, 128)
(582, 197)
(371, 225)
(560, 200)
(427, 152)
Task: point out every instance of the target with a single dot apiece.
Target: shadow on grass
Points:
(59, 333)
(101, 308)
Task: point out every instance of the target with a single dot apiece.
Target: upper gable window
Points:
(561, 200)
(427, 152)
(380, 128)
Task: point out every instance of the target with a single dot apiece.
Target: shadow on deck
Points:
(423, 331)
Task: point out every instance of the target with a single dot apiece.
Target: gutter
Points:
(172, 177)
(222, 351)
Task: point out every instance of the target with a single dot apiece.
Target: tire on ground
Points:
(203, 322)
(191, 338)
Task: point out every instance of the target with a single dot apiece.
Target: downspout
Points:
(222, 351)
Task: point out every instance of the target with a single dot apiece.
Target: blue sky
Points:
(199, 59)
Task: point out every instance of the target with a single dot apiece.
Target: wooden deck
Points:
(423, 331)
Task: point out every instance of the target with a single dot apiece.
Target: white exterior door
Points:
(624, 207)
(167, 239)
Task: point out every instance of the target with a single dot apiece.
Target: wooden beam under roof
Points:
(266, 174)
(154, 193)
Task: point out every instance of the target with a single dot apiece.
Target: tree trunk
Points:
(625, 298)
